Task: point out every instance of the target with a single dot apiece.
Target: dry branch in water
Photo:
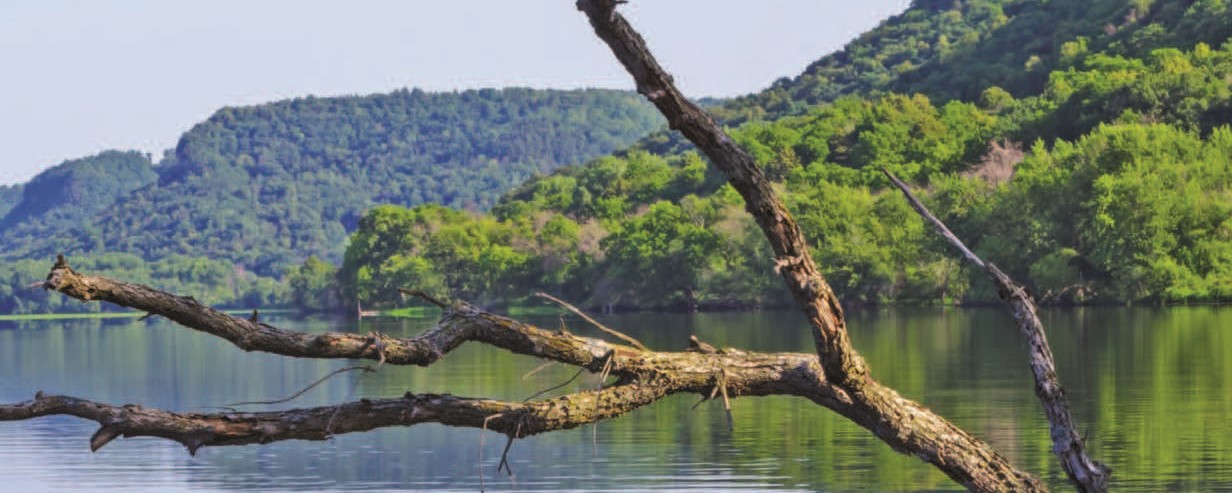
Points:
(835, 376)
(1086, 473)
(903, 424)
(642, 376)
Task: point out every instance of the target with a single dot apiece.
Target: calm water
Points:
(1152, 386)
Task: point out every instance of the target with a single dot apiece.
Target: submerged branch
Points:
(1086, 473)
(196, 430)
(904, 425)
(644, 376)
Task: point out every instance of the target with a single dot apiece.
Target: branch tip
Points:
(615, 333)
(103, 436)
(425, 296)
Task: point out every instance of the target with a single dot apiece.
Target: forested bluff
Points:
(1082, 146)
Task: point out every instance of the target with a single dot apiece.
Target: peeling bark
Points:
(904, 425)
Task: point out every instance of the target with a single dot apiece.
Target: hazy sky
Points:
(82, 76)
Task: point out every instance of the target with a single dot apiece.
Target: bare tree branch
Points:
(643, 376)
(1086, 473)
(835, 377)
(196, 430)
(614, 333)
(904, 425)
(462, 323)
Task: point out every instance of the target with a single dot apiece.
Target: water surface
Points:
(1150, 386)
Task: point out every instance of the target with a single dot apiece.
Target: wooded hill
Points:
(261, 188)
(1083, 147)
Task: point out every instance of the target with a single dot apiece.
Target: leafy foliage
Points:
(69, 195)
(267, 186)
(955, 49)
(1122, 192)
(1135, 206)
(10, 195)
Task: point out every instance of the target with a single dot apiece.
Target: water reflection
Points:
(1151, 385)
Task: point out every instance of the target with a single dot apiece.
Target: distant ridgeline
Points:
(258, 189)
(1081, 145)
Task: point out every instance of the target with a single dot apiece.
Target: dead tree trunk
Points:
(904, 425)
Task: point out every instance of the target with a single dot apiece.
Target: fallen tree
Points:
(835, 377)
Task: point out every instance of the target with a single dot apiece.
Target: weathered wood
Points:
(643, 375)
(1086, 473)
(901, 423)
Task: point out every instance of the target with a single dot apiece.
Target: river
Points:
(1152, 388)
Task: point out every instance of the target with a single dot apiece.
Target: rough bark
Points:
(835, 377)
(642, 376)
(1087, 474)
(904, 425)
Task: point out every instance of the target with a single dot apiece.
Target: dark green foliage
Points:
(955, 49)
(927, 34)
(664, 231)
(10, 195)
(1128, 212)
(267, 186)
(1187, 89)
(69, 196)
(1125, 195)
(313, 286)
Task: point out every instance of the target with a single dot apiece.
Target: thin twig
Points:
(424, 296)
(374, 338)
(504, 462)
(537, 369)
(731, 421)
(331, 374)
(713, 392)
(482, 433)
(940, 226)
(602, 327)
(554, 387)
(594, 430)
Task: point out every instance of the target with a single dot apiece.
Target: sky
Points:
(81, 76)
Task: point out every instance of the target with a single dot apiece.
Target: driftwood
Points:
(642, 376)
(1086, 473)
(835, 377)
(905, 425)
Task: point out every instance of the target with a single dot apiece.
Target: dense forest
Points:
(1102, 174)
(955, 49)
(262, 188)
(10, 195)
(1083, 146)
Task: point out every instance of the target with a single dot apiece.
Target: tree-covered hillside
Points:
(266, 186)
(1103, 174)
(1084, 147)
(10, 195)
(954, 49)
(69, 197)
